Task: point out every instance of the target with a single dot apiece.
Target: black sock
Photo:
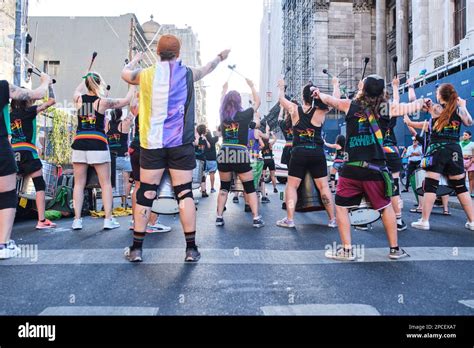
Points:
(44, 220)
(138, 238)
(394, 248)
(190, 239)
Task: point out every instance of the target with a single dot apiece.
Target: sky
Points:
(220, 24)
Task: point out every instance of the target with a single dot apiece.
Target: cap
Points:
(374, 85)
(169, 44)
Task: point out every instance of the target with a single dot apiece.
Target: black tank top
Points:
(118, 141)
(90, 135)
(339, 155)
(135, 144)
(287, 130)
(305, 134)
(267, 152)
(450, 133)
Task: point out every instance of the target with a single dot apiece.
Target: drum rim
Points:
(366, 223)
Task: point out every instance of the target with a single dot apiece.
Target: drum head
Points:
(363, 216)
(165, 206)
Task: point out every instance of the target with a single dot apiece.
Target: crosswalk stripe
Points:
(468, 303)
(321, 309)
(231, 256)
(99, 311)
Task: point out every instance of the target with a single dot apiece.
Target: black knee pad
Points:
(333, 177)
(8, 200)
(431, 185)
(181, 188)
(459, 186)
(225, 186)
(131, 181)
(203, 180)
(142, 199)
(249, 187)
(40, 184)
(396, 187)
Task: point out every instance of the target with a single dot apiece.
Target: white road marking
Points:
(321, 309)
(229, 256)
(99, 311)
(468, 303)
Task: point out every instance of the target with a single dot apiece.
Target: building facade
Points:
(7, 30)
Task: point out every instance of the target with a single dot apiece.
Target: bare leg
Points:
(187, 208)
(471, 181)
(103, 172)
(222, 198)
(344, 226)
(291, 196)
(80, 179)
(390, 223)
(7, 216)
(141, 214)
(40, 197)
(251, 198)
(274, 180)
(127, 187)
(465, 200)
(213, 180)
(323, 186)
(429, 199)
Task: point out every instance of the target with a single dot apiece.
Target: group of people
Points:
(165, 138)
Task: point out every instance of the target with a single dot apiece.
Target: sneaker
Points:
(45, 225)
(397, 254)
(204, 194)
(332, 224)
(405, 191)
(11, 250)
(220, 222)
(340, 255)
(286, 223)
(213, 191)
(247, 209)
(77, 224)
(402, 227)
(421, 225)
(275, 190)
(469, 225)
(158, 228)
(111, 224)
(258, 222)
(265, 200)
(235, 200)
(362, 228)
(133, 255)
(192, 255)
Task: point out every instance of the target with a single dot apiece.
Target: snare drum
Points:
(198, 173)
(26, 188)
(309, 198)
(166, 203)
(443, 188)
(364, 214)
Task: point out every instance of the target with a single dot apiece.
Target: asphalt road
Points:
(243, 271)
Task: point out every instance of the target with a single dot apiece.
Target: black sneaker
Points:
(265, 200)
(258, 222)
(247, 209)
(275, 190)
(192, 255)
(402, 227)
(205, 195)
(397, 254)
(133, 255)
(220, 222)
(235, 200)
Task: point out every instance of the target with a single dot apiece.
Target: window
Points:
(51, 67)
(459, 20)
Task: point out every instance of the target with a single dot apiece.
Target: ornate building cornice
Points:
(362, 6)
(321, 5)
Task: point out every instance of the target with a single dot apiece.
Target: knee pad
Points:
(249, 187)
(40, 184)
(225, 186)
(396, 187)
(431, 185)
(181, 188)
(142, 199)
(8, 200)
(203, 180)
(333, 177)
(459, 186)
(131, 181)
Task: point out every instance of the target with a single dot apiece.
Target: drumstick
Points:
(94, 56)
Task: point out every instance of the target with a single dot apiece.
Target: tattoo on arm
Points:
(20, 94)
(200, 73)
(135, 74)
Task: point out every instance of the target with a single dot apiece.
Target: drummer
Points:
(234, 155)
(308, 151)
(365, 172)
(339, 146)
(444, 155)
(23, 126)
(284, 121)
(201, 145)
(268, 162)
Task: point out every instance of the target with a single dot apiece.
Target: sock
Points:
(44, 220)
(394, 248)
(399, 219)
(190, 239)
(138, 238)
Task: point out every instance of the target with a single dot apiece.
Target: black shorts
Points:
(239, 168)
(394, 162)
(231, 160)
(27, 166)
(286, 155)
(178, 158)
(135, 161)
(446, 160)
(269, 164)
(304, 161)
(7, 158)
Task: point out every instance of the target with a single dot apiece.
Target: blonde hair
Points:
(95, 83)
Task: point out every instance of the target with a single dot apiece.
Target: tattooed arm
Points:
(464, 113)
(50, 102)
(21, 94)
(396, 93)
(110, 103)
(131, 71)
(401, 109)
(200, 73)
(255, 96)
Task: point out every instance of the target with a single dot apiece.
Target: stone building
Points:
(7, 30)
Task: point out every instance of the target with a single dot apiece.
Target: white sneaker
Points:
(111, 224)
(421, 225)
(470, 225)
(332, 224)
(77, 224)
(10, 251)
(158, 228)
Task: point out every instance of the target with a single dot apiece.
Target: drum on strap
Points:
(92, 178)
(166, 203)
(26, 188)
(198, 173)
(309, 197)
(364, 214)
(236, 184)
(443, 188)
